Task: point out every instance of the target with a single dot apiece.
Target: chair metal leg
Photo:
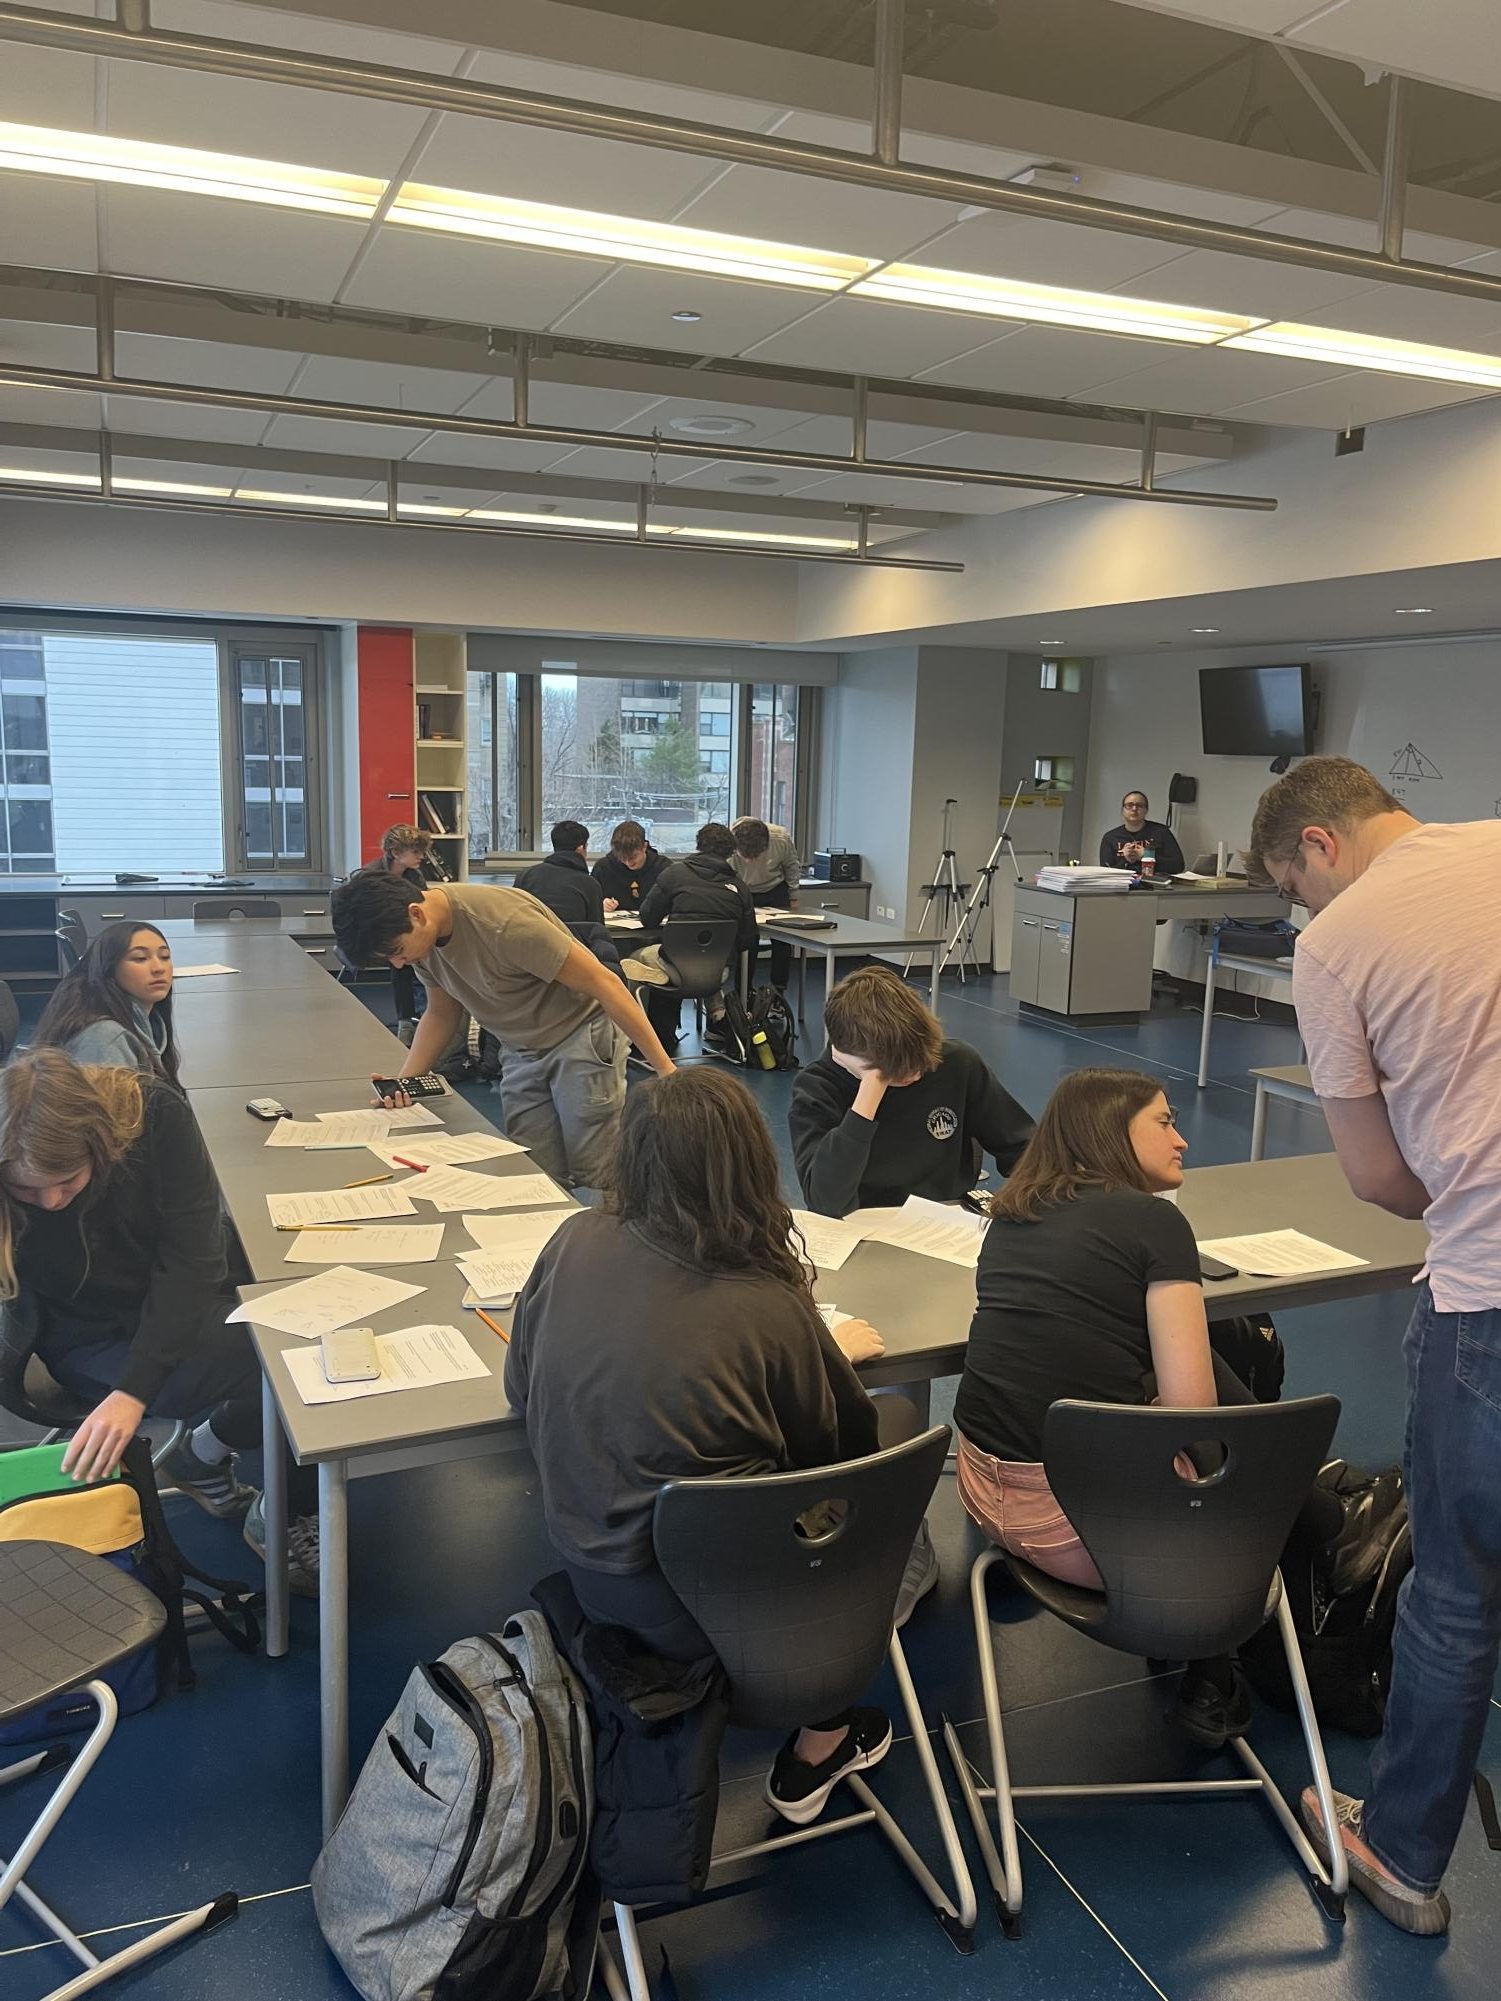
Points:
(206, 1918)
(1336, 1879)
(630, 1952)
(1010, 1889)
(85, 1761)
(608, 1971)
(1258, 1121)
(170, 1443)
(957, 1916)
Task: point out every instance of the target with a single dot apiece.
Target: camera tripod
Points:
(962, 939)
(943, 897)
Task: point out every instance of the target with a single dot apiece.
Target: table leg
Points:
(1258, 1121)
(938, 945)
(802, 985)
(1208, 1020)
(333, 1636)
(274, 1494)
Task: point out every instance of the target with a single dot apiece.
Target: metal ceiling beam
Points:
(172, 310)
(474, 99)
(566, 436)
(1394, 162)
(258, 511)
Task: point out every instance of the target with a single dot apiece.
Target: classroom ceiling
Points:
(1234, 134)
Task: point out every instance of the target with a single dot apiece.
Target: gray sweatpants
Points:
(564, 1104)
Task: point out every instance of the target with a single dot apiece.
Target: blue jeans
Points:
(1449, 1613)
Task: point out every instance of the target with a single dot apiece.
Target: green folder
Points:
(35, 1469)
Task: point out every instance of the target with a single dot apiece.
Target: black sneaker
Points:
(1210, 1714)
(302, 1547)
(214, 1488)
(800, 1792)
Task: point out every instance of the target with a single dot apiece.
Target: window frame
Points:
(234, 648)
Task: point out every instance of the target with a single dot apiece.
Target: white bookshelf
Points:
(440, 692)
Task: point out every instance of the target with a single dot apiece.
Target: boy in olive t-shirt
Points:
(563, 1020)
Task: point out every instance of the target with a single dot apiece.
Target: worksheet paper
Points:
(338, 1205)
(495, 1277)
(452, 1188)
(445, 1149)
(516, 1235)
(413, 1358)
(316, 1306)
(829, 1240)
(293, 1132)
(411, 1117)
(344, 1129)
(931, 1229)
(197, 972)
(372, 1244)
(833, 1318)
(1279, 1254)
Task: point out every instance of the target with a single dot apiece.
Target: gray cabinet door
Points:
(1053, 970)
(843, 899)
(97, 911)
(1026, 955)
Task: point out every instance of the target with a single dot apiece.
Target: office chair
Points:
(10, 1021)
(29, 1390)
(73, 937)
(68, 1618)
(696, 954)
(801, 1626)
(1190, 1571)
(232, 909)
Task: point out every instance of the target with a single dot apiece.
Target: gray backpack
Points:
(460, 1865)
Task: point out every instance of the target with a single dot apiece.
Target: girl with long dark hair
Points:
(672, 1335)
(115, 1007)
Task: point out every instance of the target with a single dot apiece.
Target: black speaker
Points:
(1182, 791)
(836, 865)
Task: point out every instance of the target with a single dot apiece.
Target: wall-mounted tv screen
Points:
(1256, 711)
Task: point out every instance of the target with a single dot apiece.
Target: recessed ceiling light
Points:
(1375, 351)
(1203, 630)
(29, 476)
(686, 317)
(1413, 610)
(710, 426)
(1050, 642)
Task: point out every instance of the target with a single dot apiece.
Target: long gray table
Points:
(256, 949)
(853, 938)
(268, 1042)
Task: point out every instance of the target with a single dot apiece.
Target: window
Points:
(1064, 676)
(1057, 773)
(26, 772)
(274, 761)
(772, 788)
(494, 804)
(618, 750)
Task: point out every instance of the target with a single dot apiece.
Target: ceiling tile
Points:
(764, 424)
(179, 420)
(962, 156)
(635, 305)
(1053, 459)
(322, 434)
(273, 27)
(487, 284)
(73, 407)
(386, 385)
(1455, 43)
(195, 473)
(50, 224)
(1048, 361)
(35, 344)
(1175, 198)
(820, 215)
(935, 497)
(634, 467)
(1202, 382)
(864, 337)
(47, 87)
(213, 364)
(1405, 314)
(1050, 253)
(31, 458)
(199, 240)
(529, 163)
(1358, 233)
(226, 114)
(1249, 285)
(578, 404)
(1356, 398)
(496, 454)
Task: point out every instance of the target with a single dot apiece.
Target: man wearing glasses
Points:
(1397, 985)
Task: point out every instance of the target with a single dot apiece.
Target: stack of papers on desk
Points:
(1085, 881)
(454, 1188)
(931, 1229)
(413, 1358)
(1279, 1254)
(314, 1307)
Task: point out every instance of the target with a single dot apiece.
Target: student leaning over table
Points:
(563, 1020)
(1397, 984)
(112, 1270)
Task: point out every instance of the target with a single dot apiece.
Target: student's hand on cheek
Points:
(94, 1449)
(856, 1066)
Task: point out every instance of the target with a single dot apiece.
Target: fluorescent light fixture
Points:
(124, 485)
(656, 530)
(697, 534)
(88, 156)
(1050, 642)
(1052, 305)
(624, 238)
(331, 500)
(520, 519)
(26, 476)
(1373, 351)
(1203, 630)
(1413, 611)
(427, 507)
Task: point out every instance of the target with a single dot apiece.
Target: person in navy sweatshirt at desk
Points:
(892, 1108)
(1124, 846)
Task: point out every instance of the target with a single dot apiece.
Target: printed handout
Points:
(413, 1358)
(829, 1240)
(1278, 1254)
(931, 1229)
(197, 972)
(338, 1205)
(335, 1298)
(346, 1129)
(371, 1244)
(293, 1132)
(454, 1188)
(445, 1149)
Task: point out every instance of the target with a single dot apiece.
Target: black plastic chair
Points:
(1189, 1568)
(73, 937)
(802, 1625)
(231, 909)
(67, 1618)
(696, 955)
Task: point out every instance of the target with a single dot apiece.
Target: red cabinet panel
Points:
(388, 759)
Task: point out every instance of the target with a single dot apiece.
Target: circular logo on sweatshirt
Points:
(943, 1123)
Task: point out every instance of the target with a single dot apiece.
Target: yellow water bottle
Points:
(763, 1049)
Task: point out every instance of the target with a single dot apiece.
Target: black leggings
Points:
(777, 897)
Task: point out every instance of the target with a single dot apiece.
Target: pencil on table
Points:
(493, 1325)
(369, 1181)
(312, 1226)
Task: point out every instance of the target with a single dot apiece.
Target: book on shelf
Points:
(432, 818)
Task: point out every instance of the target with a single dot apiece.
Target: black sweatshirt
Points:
(564, 884)
(1161, 840)
(627, 886)
(707, 890)
(142, 1253)
(632, 1368)
(922, 1140)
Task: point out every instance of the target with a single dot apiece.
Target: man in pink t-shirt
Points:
(1397, 984)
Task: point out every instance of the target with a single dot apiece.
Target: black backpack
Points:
(772, 1019)
(1344, 1630)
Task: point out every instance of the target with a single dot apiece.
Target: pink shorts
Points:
(1012, 1501)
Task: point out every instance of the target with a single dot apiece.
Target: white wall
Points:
(956, 754)
(866, 766)
(1444, 700)
(1049, 722)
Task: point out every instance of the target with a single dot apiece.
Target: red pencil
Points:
(415, 1165)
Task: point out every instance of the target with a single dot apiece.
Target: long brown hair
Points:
(1083, 1140)
(92, 992)
(696, 1169)
(56, 1117)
